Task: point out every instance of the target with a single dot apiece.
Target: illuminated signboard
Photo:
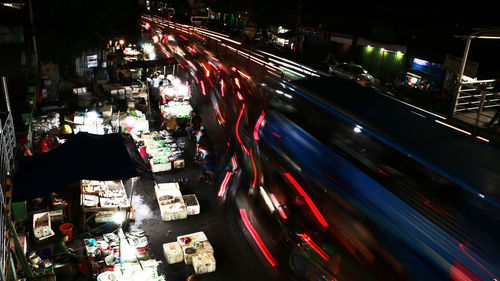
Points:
(92, 61)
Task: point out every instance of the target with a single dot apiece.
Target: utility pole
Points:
(298, 24)
(35, 48)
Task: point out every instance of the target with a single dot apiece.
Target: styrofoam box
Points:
(107, 111)
(206, 248)
(142, 125)
(178, 164)
(197, 236)
(204, 263)
(43, 231)
(192, 204)
(56, 216)
(179, 214)
(171, 190)
(168, 186)
(156, 168)
(173, 252)
(174, 211)
(78, 119)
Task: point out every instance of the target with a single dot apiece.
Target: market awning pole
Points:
(13, 232)
(118, 122)
(131, 195)
(6, 93)
(147, 96)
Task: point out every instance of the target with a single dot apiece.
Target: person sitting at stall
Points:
(94, 106)
(195, 120)
(170, 123)
(162, 92)
(208, 163)
(44, 144)
(57, 203)
(156, 86)
(63, 254)
(190, 131)
(202, 139)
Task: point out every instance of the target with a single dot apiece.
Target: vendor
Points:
(62, 253)
(208, 163)
(44, 144)
(171, 123)
(190, 131)
(195, 120)
(94, 106)
(57, 203)
(202, 139)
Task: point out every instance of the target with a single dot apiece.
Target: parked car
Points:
(352, 72)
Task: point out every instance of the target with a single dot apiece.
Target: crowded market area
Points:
(98, 233)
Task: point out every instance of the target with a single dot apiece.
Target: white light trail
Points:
(453, 127)
(294, 67)
(289, 61)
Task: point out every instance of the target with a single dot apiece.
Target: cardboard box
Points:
(179, 164)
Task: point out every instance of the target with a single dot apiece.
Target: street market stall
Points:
(133, 121)
(108, 121)
(164, 153)
(102, 200)
(90, 122)
(44, 124)
(174, 109)
(121, 256)
(174, 89)
(131, 93)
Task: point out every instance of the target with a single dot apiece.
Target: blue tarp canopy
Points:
(84, 156)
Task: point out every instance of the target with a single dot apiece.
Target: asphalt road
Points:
(234, 257)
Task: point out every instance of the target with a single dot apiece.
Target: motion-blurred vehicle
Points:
(322, 197)
(352, 72)
(320, 193)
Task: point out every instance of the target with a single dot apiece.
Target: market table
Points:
(176, 109)
(108, 197)
(121, 256)
(164, 152)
